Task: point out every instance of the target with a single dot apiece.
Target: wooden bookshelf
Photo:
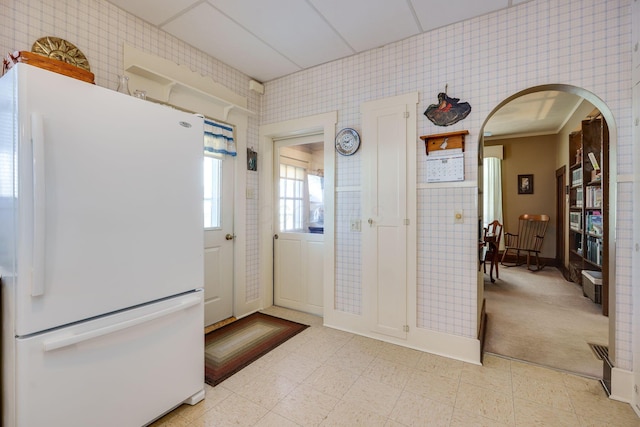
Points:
(588, 200)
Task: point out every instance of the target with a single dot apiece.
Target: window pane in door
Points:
(316, 203)
(212, 191)
(291, 185)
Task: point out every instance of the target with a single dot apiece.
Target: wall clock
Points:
(347, 141)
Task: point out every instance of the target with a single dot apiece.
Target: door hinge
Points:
(406, 221)
(406, 114)
(405, 328)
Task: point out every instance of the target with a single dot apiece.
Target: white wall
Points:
(636, 209)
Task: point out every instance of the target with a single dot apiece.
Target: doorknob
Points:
(370, 221)
(275, 236)
(230, 236)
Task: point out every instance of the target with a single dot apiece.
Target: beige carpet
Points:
(541, 318)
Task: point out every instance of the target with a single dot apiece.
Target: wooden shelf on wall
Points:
(177, 85)
(444, 141)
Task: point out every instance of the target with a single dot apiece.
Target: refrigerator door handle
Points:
(39, 214)
(66, 341)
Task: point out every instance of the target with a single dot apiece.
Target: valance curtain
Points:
(218, 138)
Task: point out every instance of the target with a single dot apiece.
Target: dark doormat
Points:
(234, 346)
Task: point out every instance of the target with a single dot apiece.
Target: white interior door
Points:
(386, 220)
(298, 241)
(218, 237)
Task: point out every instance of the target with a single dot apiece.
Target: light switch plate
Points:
(458, 216)
(354, 225)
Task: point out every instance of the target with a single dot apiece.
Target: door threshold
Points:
(219, 324)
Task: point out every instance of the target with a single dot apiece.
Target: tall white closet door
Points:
(386, 199)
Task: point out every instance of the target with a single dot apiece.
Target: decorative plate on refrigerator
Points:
(347, 141)
(62, 50)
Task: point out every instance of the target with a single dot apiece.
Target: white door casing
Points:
(219, 251)
(324, 123)
(388, 210)
(298, 256)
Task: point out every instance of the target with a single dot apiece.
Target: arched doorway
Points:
(544, 106)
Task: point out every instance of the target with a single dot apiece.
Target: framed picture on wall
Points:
(252, 160)
(525, 184)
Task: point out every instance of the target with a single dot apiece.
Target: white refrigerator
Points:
(101, 254)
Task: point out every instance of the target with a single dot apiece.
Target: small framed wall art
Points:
(252, 160)
(525, 184)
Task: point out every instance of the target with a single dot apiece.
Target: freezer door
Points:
(110, 201)
(120, 370)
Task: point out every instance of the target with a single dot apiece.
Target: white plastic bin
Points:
(592, 285)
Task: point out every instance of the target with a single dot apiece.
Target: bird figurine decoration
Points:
(447, 111)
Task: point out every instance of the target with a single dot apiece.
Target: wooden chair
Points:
(491, 246)
(531, 231)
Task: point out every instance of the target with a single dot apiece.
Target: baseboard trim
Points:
(482, 332)
(565, 272)
(621, 385)
(439, 343)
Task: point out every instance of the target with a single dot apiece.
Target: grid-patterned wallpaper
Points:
(585, 43)
(446, 302)
(483, 61)
(99, 30)
(624, 294)
(348, 296)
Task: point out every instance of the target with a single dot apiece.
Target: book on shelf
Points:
(576, 243)
(576, 177)
(575, 221)
(579, 197)
(594, 250)
(594, 162)
(594, 223)
(593, 197)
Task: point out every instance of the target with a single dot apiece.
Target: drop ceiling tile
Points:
(209, 30)
(438, 14)
(291, 27)
(154, 11)
(367, 24)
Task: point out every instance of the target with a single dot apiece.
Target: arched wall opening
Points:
(612, 185)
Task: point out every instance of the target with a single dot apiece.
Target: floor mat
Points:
(234, 346)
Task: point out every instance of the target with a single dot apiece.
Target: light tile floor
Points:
(325, 377)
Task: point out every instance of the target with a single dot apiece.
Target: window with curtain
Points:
(218, 138)
(218, 141)
(492, 192)
(212, 180)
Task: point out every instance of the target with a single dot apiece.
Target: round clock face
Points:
(347, 141)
